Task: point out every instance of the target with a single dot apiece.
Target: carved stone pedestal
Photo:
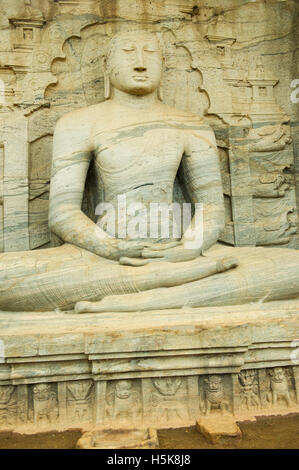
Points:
(156, 369)
(119, 439)
(216, 428)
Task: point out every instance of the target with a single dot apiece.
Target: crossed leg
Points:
(67, 276)
(59, 277)
(263, 274)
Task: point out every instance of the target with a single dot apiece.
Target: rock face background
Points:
(234, 62)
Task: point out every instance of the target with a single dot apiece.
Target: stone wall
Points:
(161, 369)
(231, 61)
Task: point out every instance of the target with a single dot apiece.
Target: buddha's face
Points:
(134, 63)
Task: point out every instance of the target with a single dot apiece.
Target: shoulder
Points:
(188, 120)
(198, 134)
(73, 130)
(79, 117)
(75, 127)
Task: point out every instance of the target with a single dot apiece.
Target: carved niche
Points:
(215, 393)
(124, 402)
(8, 406)
(58, 67)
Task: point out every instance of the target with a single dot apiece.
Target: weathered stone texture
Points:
(51, 62)
(219, 126)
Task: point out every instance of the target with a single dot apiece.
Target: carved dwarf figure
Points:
(167, 404)
(45, 404)
(247, 379)
(124, 404)
(8, 405)
(80, 398)
(279, 386)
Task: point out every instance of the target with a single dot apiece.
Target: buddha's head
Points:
(133, 63)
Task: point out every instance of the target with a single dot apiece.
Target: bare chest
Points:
(139, 150)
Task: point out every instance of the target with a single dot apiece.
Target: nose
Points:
(140, 65)
(140, 69)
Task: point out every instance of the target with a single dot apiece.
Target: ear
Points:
(107, 85)
(160, 91)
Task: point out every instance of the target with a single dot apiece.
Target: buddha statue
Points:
(137, 146)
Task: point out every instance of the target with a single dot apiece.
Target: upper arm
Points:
(201, 166)
(71, 158)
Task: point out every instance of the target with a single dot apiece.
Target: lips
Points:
(140, 78)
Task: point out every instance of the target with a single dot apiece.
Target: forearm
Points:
(73, 226)
(205, 227)
(213, 224)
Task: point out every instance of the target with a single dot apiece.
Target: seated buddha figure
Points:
(137, 145)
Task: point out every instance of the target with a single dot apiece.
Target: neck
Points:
(134, 101)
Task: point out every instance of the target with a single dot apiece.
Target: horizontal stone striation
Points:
(164, 366)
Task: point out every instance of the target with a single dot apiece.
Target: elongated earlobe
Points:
(160, 93)
(160, 90)
(107, 87)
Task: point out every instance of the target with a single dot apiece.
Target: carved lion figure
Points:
(214, 394)
(279, 388)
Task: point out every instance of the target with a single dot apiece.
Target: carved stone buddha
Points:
(137, 146)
